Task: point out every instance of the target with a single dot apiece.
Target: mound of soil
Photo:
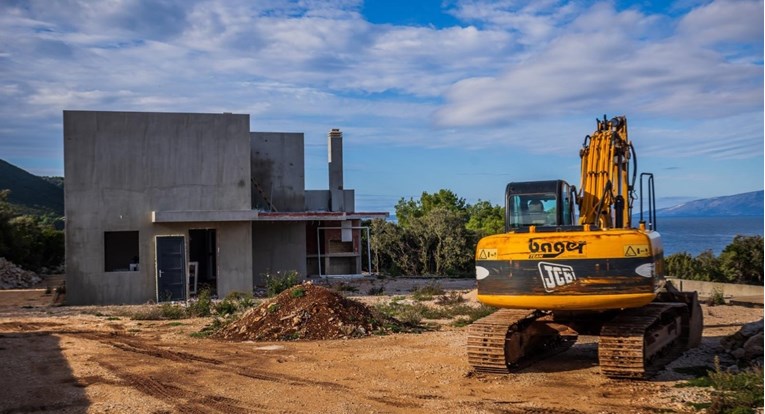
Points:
(307, 312)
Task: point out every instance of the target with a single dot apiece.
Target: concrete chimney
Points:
(335, 152)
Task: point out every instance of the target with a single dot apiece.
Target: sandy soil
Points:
(87, 359)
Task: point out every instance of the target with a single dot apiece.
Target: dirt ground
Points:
(89, 360)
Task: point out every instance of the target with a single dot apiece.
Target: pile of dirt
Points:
(308, 312)
(746, 345)
(14, 277)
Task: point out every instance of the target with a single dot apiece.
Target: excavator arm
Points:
(604, 199)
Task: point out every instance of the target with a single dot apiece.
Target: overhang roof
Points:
(255, 215)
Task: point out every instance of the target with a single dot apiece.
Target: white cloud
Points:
(609, 59)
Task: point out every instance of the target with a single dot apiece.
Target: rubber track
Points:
(487, 336)
(621, 350)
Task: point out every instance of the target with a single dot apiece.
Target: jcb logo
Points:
(555, 275)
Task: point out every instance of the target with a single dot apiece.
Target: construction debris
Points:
(14, 277)
(309, 312)
(746, 345)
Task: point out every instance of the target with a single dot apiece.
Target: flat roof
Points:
(255, 215)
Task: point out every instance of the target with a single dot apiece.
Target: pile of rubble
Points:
(746, 345)
(309, 312)
(14, 277)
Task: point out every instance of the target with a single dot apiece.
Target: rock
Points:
(14, 277)
(738, 353)
(753, 347)
(746, 345)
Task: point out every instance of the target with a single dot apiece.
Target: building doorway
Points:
(171, 268)
(203, 261)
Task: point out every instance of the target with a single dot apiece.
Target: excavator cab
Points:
(539, 203)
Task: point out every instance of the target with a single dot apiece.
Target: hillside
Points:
(744, 204)
(31, 193)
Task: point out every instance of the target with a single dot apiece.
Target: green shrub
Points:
(297, 292)
(717, 298)
(279, 282)
(736, 393)
(202, 305)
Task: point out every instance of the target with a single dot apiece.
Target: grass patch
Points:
(113, 318)
(428, 291)
(450, 298)
(297, 292)
(175, 324)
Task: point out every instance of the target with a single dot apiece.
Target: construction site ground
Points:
(94, 359)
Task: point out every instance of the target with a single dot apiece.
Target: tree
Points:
(742, 260)
(29, 241)
(485, 219)
(408, 210)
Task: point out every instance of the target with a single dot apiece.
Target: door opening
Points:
(203, 251)
(171, 268)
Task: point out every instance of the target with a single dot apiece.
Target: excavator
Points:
(573, 259)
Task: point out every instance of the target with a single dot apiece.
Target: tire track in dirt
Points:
(183, 400)
(140, 347)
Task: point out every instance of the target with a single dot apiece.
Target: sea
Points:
(695, 235)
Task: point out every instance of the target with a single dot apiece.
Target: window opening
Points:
(120, 251)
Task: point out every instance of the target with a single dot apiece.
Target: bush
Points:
(279, 282)
(717, 298)
(202, 305)
(736, 393)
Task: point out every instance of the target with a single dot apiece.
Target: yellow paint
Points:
(612, 243)
(487, 254)
(637, 250)
(568, 302)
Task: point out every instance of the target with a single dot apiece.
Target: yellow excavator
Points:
(574, 260)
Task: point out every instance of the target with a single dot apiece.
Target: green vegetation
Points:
(233, 304)
(31, 242)
(733, 393)
(740, 262)
(413, 314)
(435, 235)
(278, 282)
(427, 291)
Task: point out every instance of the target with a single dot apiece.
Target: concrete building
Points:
(159, 205)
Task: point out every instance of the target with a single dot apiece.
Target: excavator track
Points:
(638, 342)
(503, 340)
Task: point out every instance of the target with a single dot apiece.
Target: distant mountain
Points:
(744, 204)
(32, 194)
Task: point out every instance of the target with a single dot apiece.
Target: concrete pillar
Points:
(335, 152)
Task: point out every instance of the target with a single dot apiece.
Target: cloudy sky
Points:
(465, 95)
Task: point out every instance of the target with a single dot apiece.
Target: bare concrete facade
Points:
(160, 204)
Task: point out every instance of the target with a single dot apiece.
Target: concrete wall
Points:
(277, 164)
(121, 166)
(707, 289)
(277, 246)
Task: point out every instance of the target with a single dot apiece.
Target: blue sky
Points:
(464, 95)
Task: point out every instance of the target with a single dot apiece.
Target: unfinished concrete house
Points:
(161, 205)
